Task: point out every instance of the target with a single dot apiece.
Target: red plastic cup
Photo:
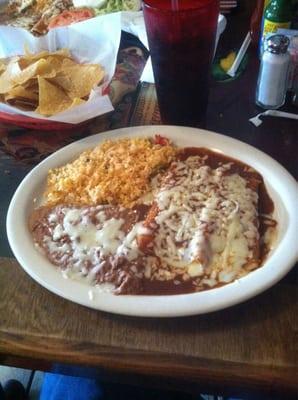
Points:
(181, 36)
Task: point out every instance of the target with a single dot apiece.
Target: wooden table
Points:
(246, 349)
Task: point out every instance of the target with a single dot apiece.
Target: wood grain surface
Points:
(249, 346)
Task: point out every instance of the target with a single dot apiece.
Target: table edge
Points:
(191, 370)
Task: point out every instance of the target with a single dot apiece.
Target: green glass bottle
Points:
(278, 14)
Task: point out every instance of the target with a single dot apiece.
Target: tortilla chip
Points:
(6, 83)
(76, 102)
(52, 99)
(31, 85)
(55, 62)
(68, 62)
(79, 79)
(21, 92)
(65, 53)
(26, 105)
(2, 67)
(29, 58)
(40, 67)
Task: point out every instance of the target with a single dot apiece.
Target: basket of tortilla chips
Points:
(46, 83)
(60, 87)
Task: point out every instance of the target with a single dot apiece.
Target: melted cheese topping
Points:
(89, 241)
(207, 220)
(206, 229)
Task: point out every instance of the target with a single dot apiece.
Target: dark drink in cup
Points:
(181, 36)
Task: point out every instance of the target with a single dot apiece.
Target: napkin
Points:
(91, 41)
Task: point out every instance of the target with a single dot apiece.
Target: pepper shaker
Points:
(272, 81)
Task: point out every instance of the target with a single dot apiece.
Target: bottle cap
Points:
(277, 44)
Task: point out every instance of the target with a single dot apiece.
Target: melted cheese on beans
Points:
(206, 221)
(90, 240)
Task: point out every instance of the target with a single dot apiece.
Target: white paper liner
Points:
(94, 41)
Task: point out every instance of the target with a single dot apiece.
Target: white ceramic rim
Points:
(282, 188)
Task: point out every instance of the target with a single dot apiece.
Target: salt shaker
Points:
(272, 82)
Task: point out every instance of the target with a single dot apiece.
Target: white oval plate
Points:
(280, 184)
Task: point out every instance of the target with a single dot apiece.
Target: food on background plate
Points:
(47, 82)
(39, 16)
(68, 17)
(33, 15)
(115, 5)
(147, 217)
